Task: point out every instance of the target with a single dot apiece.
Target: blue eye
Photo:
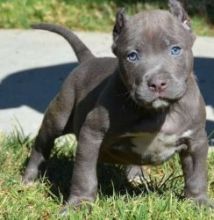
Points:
(133, 56)
(175, 51)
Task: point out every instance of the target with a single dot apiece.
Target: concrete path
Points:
(33, 65)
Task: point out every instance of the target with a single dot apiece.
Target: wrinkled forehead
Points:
(158, 28)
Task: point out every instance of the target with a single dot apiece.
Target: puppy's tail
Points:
(81, 50)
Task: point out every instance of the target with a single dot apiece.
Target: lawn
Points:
(96, 15)
(159, 198)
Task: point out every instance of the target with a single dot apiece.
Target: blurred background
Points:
(95, 15)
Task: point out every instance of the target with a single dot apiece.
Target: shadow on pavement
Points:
(204, 70)
(33, 87)
(36, 87)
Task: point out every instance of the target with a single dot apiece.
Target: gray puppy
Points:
(139, 108)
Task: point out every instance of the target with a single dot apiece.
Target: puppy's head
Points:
(154, 52)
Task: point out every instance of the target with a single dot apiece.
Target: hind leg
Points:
(53, 125)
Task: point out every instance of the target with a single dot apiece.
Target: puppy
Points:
(139, 108)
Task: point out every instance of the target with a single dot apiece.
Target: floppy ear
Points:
(178, 11)
(120, 23)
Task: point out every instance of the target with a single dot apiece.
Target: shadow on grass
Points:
(111, 180)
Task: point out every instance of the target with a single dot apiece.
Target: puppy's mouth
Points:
(160, 103)
(157, 103)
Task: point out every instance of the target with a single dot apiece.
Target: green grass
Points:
(96, 15)
(159, 199)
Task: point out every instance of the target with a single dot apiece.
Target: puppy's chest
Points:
(153, 148)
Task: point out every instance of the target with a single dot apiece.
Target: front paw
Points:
(29, 176)
(206, 202)
(76, 203)
(203, 201)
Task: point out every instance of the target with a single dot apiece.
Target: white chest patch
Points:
(155, 148)
(187, 134)
(147, 141)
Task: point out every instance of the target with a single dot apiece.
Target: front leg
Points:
(84, 178)
(194, 165)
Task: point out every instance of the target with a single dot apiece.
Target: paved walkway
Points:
(33, 64)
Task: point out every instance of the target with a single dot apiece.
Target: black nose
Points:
(157, 85)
